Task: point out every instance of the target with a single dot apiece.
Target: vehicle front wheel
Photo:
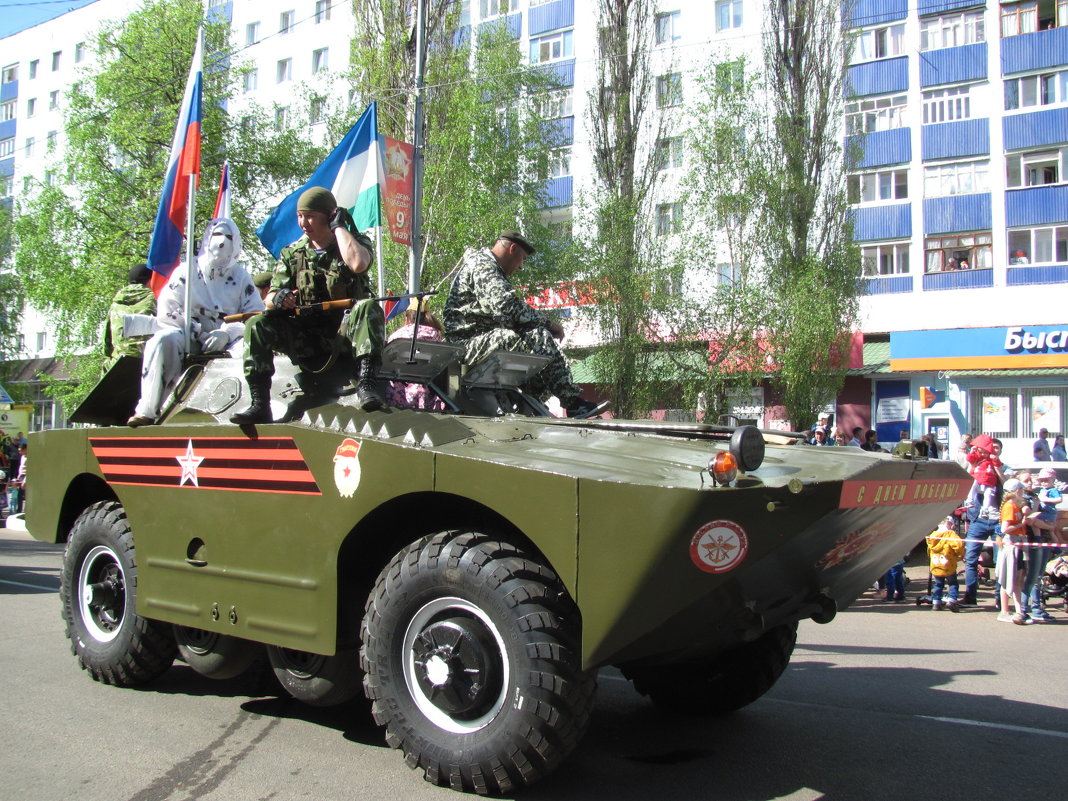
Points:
(722, 684)
(470, 658)
(98, 593)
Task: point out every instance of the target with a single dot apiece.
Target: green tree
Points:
(10, 308)
(92, 217)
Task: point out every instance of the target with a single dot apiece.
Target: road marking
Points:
(30, 586)
(1004, 726)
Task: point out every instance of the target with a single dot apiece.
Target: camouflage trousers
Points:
(310, 340)
(554, 379)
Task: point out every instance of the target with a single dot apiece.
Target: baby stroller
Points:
(1055, 580)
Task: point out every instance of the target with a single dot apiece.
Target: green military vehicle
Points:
(469, 570)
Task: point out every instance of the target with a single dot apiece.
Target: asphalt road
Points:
(887, 702)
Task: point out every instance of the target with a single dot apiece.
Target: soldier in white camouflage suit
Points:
(483, 314)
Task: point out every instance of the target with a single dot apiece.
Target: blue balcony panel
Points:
(1036, 129)
(7, 166)
(1034, 51)
(562, 71)
(7, 128)
(947, 140)
(940, 6)
(9, 90)
(551, 17)
(958, 279)
(558, 192)
(881, 148)
(873, 12)
(882, 222)
(890, 285)
(1039, 205)
(958, 213)
(561, 131)
(953, 65)
(1028, 276)
(462, 36)
(878, 77)
(513, 23)
(221, 13)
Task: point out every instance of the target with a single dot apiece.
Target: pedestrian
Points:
(895, 582)
(986, 472)
(1010, 567)
(20, 480)
(1041, 449)
(1058, 452)
(944, 549)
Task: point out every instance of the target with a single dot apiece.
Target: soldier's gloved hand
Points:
(215, 341)
(284, 296)
(342, 219)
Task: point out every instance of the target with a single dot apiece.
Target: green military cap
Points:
(316, 198)
(519, 239)
(262, 280)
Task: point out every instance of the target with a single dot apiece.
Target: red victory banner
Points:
(397, 189)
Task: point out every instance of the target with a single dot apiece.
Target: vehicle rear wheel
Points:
(98, 594)
(722, 684)
(316, 679)
(471, 662)
(217, 656)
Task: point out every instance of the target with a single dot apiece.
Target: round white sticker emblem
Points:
(719, 546)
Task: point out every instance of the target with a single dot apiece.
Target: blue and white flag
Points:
(351, 172)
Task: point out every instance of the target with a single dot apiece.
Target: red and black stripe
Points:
(268, 464)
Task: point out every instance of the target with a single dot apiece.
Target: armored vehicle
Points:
(469, 570)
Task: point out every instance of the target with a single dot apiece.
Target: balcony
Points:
(1037, 205)
(562, 71)
(888, 285)
(1034, 51)
(949, 215)
(874, 12)
(1031, 275)
(881, 148)
(558, 192)
(953, 65)
(873, 223)
(878, 77)
(958, 279)
(1036, 128)
(947, 140)
(551, 17)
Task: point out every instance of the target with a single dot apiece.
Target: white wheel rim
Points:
(100, 625)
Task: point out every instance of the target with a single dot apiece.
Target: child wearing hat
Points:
(945, 549)
(1009, 570)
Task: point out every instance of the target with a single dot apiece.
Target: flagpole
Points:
(378, 228)
(189, 269)
(416, 260)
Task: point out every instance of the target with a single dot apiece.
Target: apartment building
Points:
(958, 111)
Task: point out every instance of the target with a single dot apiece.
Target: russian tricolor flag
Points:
(166, 249)
(222, 200)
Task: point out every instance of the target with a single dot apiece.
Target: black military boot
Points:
(259, 409)
(367, 384)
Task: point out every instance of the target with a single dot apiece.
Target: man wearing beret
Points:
(329, 262)
(483, 314)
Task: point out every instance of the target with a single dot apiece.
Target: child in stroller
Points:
(1055, 581)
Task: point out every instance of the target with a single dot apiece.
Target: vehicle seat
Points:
(494, 384)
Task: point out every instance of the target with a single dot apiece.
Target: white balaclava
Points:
(220, 249)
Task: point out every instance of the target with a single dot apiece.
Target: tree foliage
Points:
(80, 231)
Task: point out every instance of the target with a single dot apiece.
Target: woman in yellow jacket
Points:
(945, 549)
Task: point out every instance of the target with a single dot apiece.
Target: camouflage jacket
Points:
(131, 299)
(320, 275)
(482, 299)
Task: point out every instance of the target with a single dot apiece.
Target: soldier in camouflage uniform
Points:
(483, 314)
(134, 298)
(329, 262)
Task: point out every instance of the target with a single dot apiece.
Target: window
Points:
(7, 147)
(890, 259)
(873, 187)
(33, 68)
(79, 52)
(1047, 245)
(728, 14)
(667, 27)
(10, 73)
(669, 153)
(554, 105)
(251, 80)
(884, 42)
(968, 252)
(7, 110)
(551, 48)
(30, 143)
(946, 105)
(322, 10)
(284, 71)
(53, 99)
(730, 77)
(1019, 18)
(252, 33)
(51, 139)
(31, 107)
(669, 89)
(728, 274)
(285, 22)
(320, 59)
(488, 9)
(555, 164)
(317, 110)
(1040, 168)
(668, 218)
(281, 118)
(1036, 90)
(49, 177)
(956, 179)
(7, 185)
(952, 30)
(875, 114)
(57, 57)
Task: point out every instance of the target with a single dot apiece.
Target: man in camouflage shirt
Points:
(483, 314)
(134, 298)
(329, 262)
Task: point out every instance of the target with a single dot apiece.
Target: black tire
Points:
(315, 679)
(723, 684)
(216, 656)
(98, 595)
(470, 652)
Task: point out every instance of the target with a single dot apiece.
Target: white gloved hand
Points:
(215, 341)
